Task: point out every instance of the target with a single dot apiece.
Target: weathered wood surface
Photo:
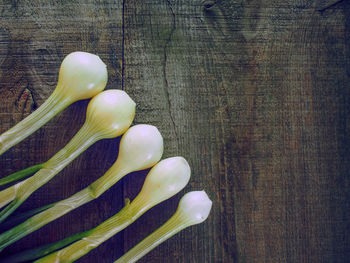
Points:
(255, 94)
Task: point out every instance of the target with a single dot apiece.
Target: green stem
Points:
(13, 221)
(82, 140)
(20, 174)
(99, 234)
(35, 253)
(60, 208)
(50, 108)
(43, 218)
(19, 192)
(174, 225)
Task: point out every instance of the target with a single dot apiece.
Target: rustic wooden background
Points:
(254, 94)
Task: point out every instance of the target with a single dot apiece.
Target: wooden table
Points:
(254, 94)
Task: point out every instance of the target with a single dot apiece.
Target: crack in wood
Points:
(30, 93)
(19, 97)
(166, 84)
(24, 96)
(123, 43)
(208, 4)
(331, 5)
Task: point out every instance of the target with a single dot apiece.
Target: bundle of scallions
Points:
(164, 180)
(109, 114)
(141, 147)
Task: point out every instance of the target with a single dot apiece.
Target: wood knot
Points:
(207, 4)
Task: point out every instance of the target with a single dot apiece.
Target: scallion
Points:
(164, 180)
(194, 208)
(82, 75)
(109, 114)
(141, 147)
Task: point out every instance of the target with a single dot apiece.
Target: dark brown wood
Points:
(254, 94)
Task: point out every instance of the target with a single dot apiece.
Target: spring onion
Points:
(194, 208)
(164, 180)
(82, 75)
(141, 147)
(109, 114)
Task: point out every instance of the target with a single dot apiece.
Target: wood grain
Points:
(254, 94)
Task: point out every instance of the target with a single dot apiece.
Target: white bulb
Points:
(165, 179)
(195, 206)
(111, 112)
(141, 147)
(82, 75)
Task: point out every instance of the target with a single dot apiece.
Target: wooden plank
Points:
(260, 65)
(286, 153)
(35, 37)
(254, 94)
(180, 69)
